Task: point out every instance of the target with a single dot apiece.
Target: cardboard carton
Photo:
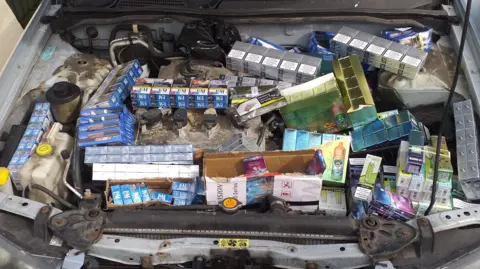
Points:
(222, 171)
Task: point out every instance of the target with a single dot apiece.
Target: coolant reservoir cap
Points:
(4, 175)
(44, 150)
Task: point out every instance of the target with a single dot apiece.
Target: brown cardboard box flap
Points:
(230, 164)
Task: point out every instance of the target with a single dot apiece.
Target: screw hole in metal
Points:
(24, 204)
(448, 217)
(342, 249)
(117, 240)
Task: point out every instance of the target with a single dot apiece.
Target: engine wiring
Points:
(448, 104)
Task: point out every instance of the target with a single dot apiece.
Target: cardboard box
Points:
(368, 178)
(315, 106)
(222, 171)
(298, 188)
(154, 184)
(333, 201)
(354, 89)
(335, 154)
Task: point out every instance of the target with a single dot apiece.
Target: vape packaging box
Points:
(397, 58)
(298, 188)
(391, 206)
(271, 63)
(318, 165)
(254, 165)
(355, 91)
(418, 180)
(335, 155)
(394, 54)
(316, 105)
(339, 43)
(368, 178)
(403, 178)
(289, 66)
(253, 61)
(359, 44)
(236, 56)
(258, 187)
(375, 51)
(309, 68)
(333, 201)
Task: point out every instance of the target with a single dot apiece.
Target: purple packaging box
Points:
(391, 205)
(414, 160)
(254, 165)
(318, 165)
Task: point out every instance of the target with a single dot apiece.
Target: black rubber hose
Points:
(76, 166)
(449, 103)
(148, 32)
(51, 194)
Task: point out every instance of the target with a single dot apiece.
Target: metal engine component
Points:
(83, 227)
(380, 238)
(84, 70)
(200, 69)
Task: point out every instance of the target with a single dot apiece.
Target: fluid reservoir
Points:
(5, 182)
(46, 166)
(64, 98)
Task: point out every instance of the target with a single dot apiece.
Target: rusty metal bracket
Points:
(382, 239)
(82, 227)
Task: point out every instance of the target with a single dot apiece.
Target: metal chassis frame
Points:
(128, 250)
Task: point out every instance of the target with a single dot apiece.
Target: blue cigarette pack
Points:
(99, 118)
(179, 93)
(161, 92)
(218, 94)
(102, 125)
(126, 194)
(264, 43)
(102, 111)
(141, 91)
(144, 192)
(183, 186)
(116, 86)
(182, 195)
(116, 194)
(136, 196)
(106, 136)
(162, 197)
(198, 95)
